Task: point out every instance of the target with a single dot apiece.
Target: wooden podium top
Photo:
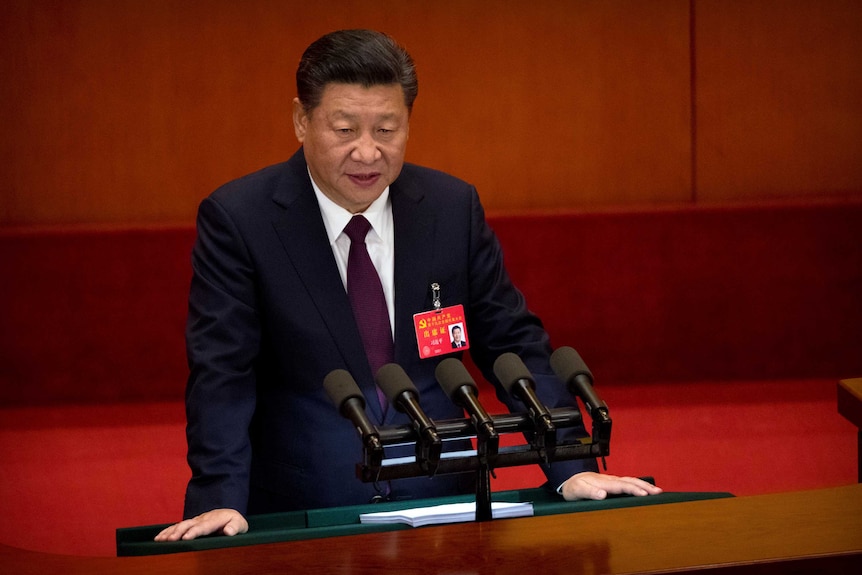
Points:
(815, 531)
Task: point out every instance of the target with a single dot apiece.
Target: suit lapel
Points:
(300, 228)
(414, 241)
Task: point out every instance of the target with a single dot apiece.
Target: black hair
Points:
(364, 57)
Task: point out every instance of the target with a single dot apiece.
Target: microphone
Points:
(462, 390)
(401, 393)
(345, 394)
(571, 369)
(518, 381)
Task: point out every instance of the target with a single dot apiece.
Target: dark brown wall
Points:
(130, 112)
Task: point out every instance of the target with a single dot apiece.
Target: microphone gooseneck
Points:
(348, 399)
(463, 391)
(401, 392)
(518, 381)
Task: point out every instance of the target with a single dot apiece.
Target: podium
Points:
(341, 521)
(801, 532)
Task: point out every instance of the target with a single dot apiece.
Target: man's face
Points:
(456, 334)
(354, 141)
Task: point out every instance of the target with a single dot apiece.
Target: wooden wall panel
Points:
(551, 105)
(133, 111)
(779, 99)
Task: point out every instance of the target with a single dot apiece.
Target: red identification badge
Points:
(441, 331)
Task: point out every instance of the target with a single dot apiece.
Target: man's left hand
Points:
(591, 485)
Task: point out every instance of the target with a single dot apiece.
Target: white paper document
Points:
(451, 513)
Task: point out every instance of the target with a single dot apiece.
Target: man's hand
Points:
(590, 485)
(226, 521)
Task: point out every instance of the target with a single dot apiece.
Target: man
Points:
(456, 337)
(270, 314)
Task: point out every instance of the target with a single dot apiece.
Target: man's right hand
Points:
(224, 521)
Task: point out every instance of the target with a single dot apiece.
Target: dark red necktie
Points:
(369, 303)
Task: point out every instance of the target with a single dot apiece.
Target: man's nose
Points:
(366, 150)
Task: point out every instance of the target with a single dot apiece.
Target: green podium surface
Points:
(339, 521)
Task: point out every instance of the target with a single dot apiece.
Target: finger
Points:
(203, 525)
(235, 526)
(642, 487)
(593, 488)
(584, 486)
(188, 529)
(228, 521)
(174, 532)
(649, 487)
(164, 534)
(631, 486)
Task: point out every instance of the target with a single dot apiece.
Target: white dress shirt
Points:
(380, 241)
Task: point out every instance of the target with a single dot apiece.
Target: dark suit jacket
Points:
(269, 318)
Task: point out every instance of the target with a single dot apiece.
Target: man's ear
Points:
(300, 120)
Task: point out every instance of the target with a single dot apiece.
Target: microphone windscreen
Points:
(509, 369)
(340, 386)
(394, 381)
(567, 364)
(452, 375)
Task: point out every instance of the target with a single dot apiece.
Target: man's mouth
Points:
(364, 179)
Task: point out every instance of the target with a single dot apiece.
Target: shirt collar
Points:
(335, 217)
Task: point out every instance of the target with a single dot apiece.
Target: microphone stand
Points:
(488, 454)
(542, 448)
(483, 493)
(487, 447)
